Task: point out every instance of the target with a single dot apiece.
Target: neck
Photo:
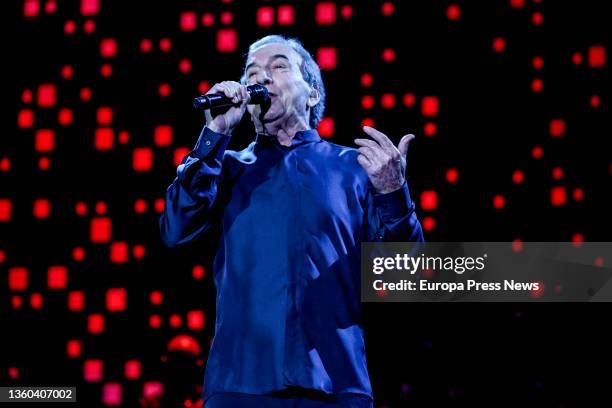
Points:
(285, 132)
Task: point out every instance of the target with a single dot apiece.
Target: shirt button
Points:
(208, 143)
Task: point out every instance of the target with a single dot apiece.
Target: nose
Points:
(263, 77)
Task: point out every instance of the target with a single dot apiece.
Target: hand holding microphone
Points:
(234, 95)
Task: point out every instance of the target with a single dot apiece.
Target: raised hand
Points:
(226, 122)
(384, 163)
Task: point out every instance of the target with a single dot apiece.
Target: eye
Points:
(279, 66)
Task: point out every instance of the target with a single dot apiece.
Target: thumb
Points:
(403, 144)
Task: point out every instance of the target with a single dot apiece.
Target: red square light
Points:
(104, 138)
(325, 13)
(499, 44)
(146, 45)
(57, 277)
(557, 127)
(108, 47)
(346, 11)
(76, 300)
(429, 106)
(367, 101)
(104, 115)
(115, 299)
(203, 87)
(119, 252)
(558, 196)
(100, 229)
(46, 95)
(597, 56)
(429, 200)
(92, 370)
(51, 6)
(388, 55)
(164, 90)
(111, 394)
(366, 79)
(452, 175)
(90, 7)
(73, 348)
(139, 251)
(142, 159)
(31, 8)
(132, 369)
(6, 209)
(195, 319)
(409, 99)
(285, 15)
(44, 140)
(95, 323)
(227, 40)
(25, 118)
(162, 136)
(156, 297)
(430, 129)
(140, 206)
(36, 301)
(18, 278)
(387, 100)
(64, 116)
(326, 127)
(152, 389)
(198, 272)
(208, 19)
(453, 12)
(179, 155)
(41, 208)
(265, 16)
(188, 21)
(226, 17)
(326, 57)
(159, 204)
(429, 223)
(499, 201)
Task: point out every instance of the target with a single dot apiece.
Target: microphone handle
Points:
(257, 93)
(212, 100)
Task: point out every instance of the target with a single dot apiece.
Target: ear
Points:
(314, 97)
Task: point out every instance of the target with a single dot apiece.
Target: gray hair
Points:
(309, 68)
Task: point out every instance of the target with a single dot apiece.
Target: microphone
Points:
(258, 93)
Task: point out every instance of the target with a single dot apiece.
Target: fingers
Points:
(365, 163)
(367, 142)
(383, 140)
(373, 156)
(404, 143)
(246, 98)
(233, 90)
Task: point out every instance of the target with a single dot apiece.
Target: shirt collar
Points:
(301, 137)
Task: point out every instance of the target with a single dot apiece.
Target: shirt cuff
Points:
(394, 205)
(208, 142)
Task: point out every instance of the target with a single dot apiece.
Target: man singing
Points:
(287, 216)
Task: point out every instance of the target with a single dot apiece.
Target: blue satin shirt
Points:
(288, 222)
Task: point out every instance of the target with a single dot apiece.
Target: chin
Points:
(271, 117)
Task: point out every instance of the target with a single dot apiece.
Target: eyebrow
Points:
(272, 58)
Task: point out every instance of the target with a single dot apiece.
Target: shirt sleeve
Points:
(190, 200)
(391, 217)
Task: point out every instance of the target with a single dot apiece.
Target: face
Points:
(277, 67)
